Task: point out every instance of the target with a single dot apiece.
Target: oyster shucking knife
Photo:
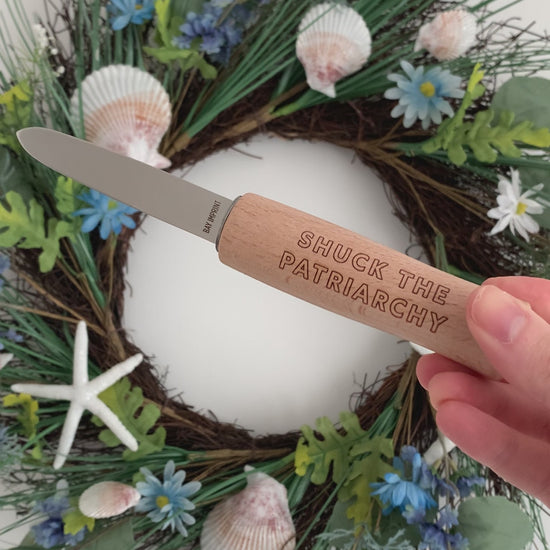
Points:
(295, 252)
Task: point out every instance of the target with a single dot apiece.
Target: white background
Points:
(233, 346)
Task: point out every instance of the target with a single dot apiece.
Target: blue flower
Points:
(50, 532)
(167, 501)
(448, 518)
(434, 538)
(443, 488)
(10, 334)
(437, 536)
(407, 488)
(109, 214)
(215, 35)
(466, 485)
(421, 95)
(130, 11)
(414, 516)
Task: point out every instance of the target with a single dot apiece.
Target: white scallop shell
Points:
(108, 499)
(449, 35)
(333, 42)
(125, 110)
(257, 518)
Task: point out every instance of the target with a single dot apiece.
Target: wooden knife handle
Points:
(348, 274)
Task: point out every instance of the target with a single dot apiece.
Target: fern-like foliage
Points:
(351, 457)
(66, 196)
(369, 464)
(349, 540)
(332, 450)
(139, 418)
(24, 226)
(485, 138)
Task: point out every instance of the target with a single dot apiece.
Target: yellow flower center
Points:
(112, 205)
(139, 6)
(521, 208)
(427, 88)
(162, 501)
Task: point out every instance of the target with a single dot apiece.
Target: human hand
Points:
(504, 424)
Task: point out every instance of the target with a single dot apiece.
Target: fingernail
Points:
(500, 315)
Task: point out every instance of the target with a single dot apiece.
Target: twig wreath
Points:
(411, 88)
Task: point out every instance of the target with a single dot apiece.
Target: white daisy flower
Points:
(514, 207)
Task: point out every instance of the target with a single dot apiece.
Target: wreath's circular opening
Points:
(233, 346)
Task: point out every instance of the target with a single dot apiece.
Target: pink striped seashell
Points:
(449, 35)
(257, 518)
(108, 499)
(333, 42)
(125, 110)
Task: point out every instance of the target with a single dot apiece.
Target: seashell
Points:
(257, 518)
(449, 35)
(107, 499)
(333, 42)
(125, 110)
(5, 358)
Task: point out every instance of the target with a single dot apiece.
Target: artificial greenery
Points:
(140, 419)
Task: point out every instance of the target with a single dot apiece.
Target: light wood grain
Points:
(346, 273)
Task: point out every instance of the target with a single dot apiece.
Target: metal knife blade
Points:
(148, 189)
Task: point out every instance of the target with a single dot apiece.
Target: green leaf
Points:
(119, 536)
(187, 59)
(182, 7)
(66, 195)
(29, 408)
(15, 114)
(371, 464)
(12, 177)
(494, 523)
(74, 521)
(512, 95)
(164, 16)
(331, 449)
(456, 154)
(20, 93)
(487, 140)
(126, 403)
(24, 227)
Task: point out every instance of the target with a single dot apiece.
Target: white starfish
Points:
(83, 394)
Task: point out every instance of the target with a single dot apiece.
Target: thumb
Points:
(513, 337)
